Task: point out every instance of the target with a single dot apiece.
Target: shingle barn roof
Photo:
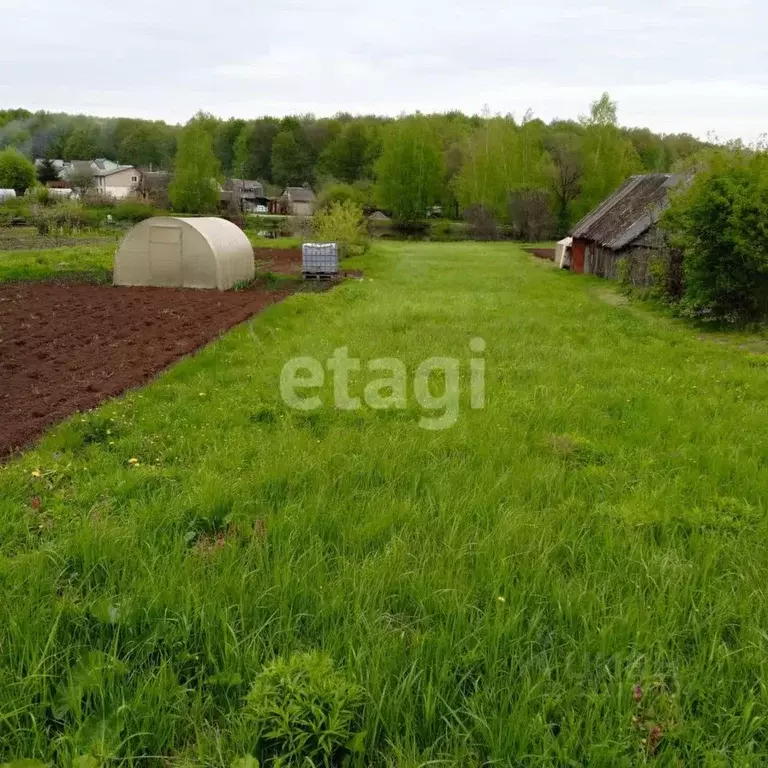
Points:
(629, 212)
(300, 194)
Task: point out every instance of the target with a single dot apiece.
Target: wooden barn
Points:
(625, 226)
(295, 201)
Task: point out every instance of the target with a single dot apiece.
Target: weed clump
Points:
(305, 712)
(577, 451)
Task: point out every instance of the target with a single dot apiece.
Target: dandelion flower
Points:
(133, 461)
(36, 473)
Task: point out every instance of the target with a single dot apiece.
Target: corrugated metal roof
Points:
(98, 167)
(629, 212)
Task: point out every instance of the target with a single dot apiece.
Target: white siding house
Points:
(110, 179)
(118, 183)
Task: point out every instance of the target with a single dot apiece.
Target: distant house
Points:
(155, 178)
(153, 186)
(109, 178)
(295, 201)
(247, 194)
(624, 226)
(57, 164)
(113, 179)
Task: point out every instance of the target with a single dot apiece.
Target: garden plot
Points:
(281, 261)
(288, 261)
(66, 348)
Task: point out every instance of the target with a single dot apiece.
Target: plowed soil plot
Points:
(288, 261)
(543, 253)
(281, 261)
(66, 348)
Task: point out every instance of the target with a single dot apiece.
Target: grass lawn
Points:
(93, 262)
(28, 239)
(574, 575)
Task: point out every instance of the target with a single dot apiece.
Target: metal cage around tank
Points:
(320, 259)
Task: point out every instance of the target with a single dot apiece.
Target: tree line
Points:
(540, 175)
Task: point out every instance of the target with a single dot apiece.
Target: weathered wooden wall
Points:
(640, 256)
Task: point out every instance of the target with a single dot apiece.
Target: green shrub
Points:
(92, 218)
(63, 219)
(96, 200)
(41, 196)
(42, 223)
(343, 223)
(442, 230)
(300, 226)
(338, 193)
(133, 211)
(624, 272)
(303, 710)
(658, 270)
(17, 208)
(721, 222)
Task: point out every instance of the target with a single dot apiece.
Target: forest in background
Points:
(493, 166)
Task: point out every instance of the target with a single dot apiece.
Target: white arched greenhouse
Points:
(185, 253)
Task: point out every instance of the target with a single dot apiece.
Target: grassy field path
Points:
(573, 575)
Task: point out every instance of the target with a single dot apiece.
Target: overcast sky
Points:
(673, 65)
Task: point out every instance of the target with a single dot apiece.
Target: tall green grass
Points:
(573, 576)
(93, 262)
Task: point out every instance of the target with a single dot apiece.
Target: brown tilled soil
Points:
(66, 348)
(280, 261)
(543, 253)
(287, 261)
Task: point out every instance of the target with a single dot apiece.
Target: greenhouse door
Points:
(165, 256)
